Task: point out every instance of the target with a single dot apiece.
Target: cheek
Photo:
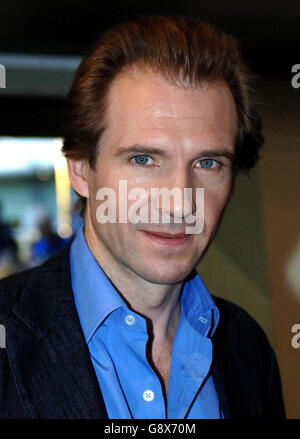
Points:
(214, 204)
(116, 237)
(101, 181)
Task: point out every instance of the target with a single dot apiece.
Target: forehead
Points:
(142, 102)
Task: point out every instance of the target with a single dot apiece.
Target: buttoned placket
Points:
(151, 402)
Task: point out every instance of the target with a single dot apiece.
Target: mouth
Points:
(168, 239)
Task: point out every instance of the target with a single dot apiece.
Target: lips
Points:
(168, 238)
(168, 235)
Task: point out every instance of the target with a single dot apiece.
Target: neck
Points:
(159, 304)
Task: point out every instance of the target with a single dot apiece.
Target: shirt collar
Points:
(96, 297)
(198, 306)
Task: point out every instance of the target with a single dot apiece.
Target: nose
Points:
(176, 198)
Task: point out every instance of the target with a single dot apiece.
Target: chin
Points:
(165, 275)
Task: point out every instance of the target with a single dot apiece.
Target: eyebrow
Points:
(218, 153)
(143, 149)
(140, 149)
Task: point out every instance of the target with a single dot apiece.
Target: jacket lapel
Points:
(220, 381)
(231, 368)
(46, 348)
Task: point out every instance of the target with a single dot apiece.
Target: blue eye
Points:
(142, 159)
(207, 163)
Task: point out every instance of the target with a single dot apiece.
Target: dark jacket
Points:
(46, 371)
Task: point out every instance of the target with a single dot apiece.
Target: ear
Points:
(78, 175)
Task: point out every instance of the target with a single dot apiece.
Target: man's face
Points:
(159, 135)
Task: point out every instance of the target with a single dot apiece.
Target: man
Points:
(119, 324)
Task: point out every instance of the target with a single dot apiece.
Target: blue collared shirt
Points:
(117, 337)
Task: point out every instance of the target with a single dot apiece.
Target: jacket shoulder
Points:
(11, 288)
(234, 319)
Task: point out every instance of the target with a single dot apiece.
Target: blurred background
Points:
(255, 259)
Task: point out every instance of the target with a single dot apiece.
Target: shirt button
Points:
(203, 319)
(148, 395)
(129, 319)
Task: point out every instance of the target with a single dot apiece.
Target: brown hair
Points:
(185, 51)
